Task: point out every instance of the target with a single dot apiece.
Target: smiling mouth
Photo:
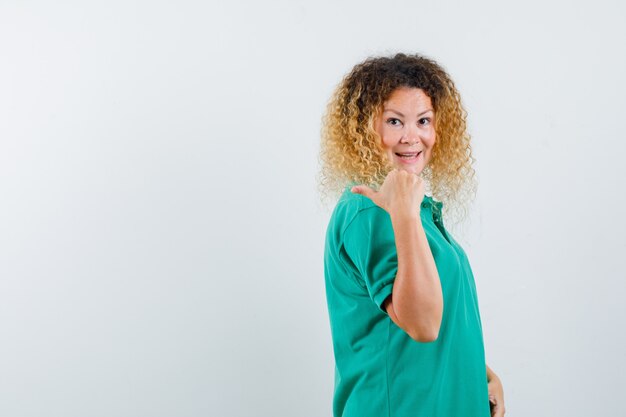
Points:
(408, 155)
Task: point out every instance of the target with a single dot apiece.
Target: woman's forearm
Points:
(417, 295)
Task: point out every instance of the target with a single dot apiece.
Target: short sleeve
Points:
(370, 244)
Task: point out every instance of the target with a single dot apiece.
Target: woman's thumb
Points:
(363, 190)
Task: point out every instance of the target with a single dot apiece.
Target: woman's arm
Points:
(416, 302)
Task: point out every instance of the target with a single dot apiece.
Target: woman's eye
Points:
(426, 119)
(394, 122)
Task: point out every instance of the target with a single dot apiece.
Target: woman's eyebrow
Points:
(402, 115)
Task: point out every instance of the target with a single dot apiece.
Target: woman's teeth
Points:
(408, 155)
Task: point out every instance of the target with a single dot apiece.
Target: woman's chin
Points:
(413, 169)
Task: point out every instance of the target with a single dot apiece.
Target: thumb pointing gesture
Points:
(401, 192)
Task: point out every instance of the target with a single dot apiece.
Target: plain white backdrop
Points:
(161, 236)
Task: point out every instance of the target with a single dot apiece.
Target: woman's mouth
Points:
(408, 157)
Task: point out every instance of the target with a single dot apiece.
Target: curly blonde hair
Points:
(351, 150)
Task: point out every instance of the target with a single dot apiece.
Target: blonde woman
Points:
(402, 303)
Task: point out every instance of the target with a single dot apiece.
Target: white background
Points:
(161, 237)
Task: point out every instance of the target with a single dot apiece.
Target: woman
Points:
(405, 323)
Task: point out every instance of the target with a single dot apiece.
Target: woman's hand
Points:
(401, 193)
(496, 396)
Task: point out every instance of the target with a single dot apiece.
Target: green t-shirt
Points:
(379, 370)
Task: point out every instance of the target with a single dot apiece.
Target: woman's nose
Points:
(410, 136)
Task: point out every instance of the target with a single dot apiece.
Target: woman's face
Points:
(407, 129)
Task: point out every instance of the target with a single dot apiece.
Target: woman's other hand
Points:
(496, 396)
(401, 194)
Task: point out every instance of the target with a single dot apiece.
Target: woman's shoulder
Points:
(352, 202)
(356, 209)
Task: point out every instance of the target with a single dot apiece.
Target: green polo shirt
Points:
(379, 370)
